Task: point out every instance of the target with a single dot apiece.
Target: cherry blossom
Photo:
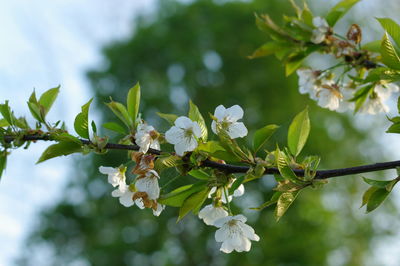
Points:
(321, 30)
(183, 135)
(125, 195)
(116, 176)
(209, 214)
(148, 183)
(227, 120)
(234, 234)
(146, 137)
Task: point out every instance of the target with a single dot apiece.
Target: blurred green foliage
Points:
(199, 51)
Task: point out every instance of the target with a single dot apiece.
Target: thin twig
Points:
(320, 174)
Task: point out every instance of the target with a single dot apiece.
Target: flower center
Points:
(188, 133)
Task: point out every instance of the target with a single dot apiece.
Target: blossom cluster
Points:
(185, 135)
(337, 96)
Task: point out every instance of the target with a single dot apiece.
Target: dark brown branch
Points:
(320, 174)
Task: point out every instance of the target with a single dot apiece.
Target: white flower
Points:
(307, 82)
(210, 214)
(227, 120)
(385, 90)
(144, 139)
(374, 106)
(149, 184)
(234, 234)
(322, 28)
(345, 104)
(329, 97)
(183, 135)
(116, 176)
(124, 194)
(237, 193)
(159, 209)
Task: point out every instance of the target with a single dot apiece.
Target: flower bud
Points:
(354, 34)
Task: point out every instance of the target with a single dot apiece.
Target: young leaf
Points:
(6, 112)
(176, 197)
(199, 174)
(267, 49)
(133, 102)
(59, 149)
(195, 115)
(392, 28)
(377, 183)
(284, 202)
(115, 127)
(4, 123)
(193, 202)
(389, 54)
(81, 123)
(298, 133)
(3, 162)
(374, 46)
(376, 198)
(47, 99)
(367, 194)
(272, 201)
(339, 10)
(170, 118)
(120, 111)
(262, 135)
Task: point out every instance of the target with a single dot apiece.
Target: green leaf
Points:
(193, 202)
(392, 28)
(294, 62)
(176, 197)
(376, 198)
(389, 54)
(339, 10)
(216, 150)
(272, 201)
(367, 195)
(376, 183)
(170, 118)
(59, 149)
(6, 112)
(307, 15)
(3, 162)
(267, 49)
(34, 107)
(395, 128)
(120, 111)
(167, 161)
(285, 171)
(262, 135)
(81, 123)
(65, 137)
(199, 174)
(133, 102)
(94, 127)
(115, 127)
(4, 123)
(195, 115)
(298, 133)
(284, 202)
(47, 99)
(374, 46)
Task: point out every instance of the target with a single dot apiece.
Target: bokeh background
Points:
(61, 212)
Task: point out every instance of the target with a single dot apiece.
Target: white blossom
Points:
(227, 119)
(321, 30)
(375, 103)
(144, 139)
(159, 209)
(345, 104)
(234, 233)
(125, 195)
(116, 176)
(183, 135)
(209, 214)
(329, 97)
(237, 193)
(307, 82)
(149, 184)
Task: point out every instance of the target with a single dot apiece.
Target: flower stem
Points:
(227, 200)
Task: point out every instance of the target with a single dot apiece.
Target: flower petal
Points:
(237, 130)
(107, 170)
(220, 112)
(174, 135)
(183, 122)
(235, 113)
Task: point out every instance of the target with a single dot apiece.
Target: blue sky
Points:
(46, 43)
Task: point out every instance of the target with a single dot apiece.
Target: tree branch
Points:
(320, 174)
